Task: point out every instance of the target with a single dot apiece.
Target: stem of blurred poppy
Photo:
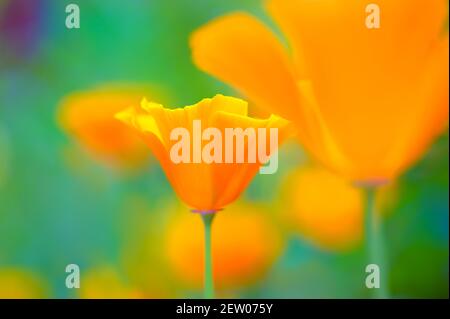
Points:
(209, 282)
(374, 243)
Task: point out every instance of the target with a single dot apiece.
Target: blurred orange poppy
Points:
(203, 186)
(367, 102)
(89, 117)
(332, 224)
(245, 243)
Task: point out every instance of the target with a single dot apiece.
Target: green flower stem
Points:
(374, 243)
(209, 282)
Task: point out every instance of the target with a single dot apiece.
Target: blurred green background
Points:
(58, 206)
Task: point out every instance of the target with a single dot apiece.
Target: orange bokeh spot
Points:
(245, 243)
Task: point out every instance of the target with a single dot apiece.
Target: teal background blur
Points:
(52, 215)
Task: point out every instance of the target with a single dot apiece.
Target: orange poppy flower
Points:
(245, 243)
(89, 117)
(332, 224)
(203, 186)
(335, 223)
(367, 102)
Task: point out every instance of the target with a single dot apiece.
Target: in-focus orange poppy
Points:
(367, 102)
(206, 187)
(89, 117)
